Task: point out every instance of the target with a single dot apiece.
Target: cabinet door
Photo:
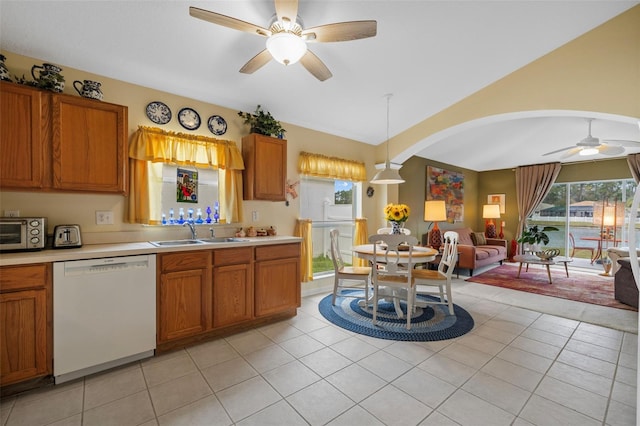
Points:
(184, 300)
(21, 136)
(89, 145)
(277, 286)
(23, 335)
(265, 167)
(232, 294)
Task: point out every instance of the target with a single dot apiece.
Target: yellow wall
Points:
(80, 208)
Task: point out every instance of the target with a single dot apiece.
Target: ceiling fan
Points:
(592, 146)
(287, 38)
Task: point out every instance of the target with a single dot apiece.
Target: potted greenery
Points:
(262, 122)
(536, 235)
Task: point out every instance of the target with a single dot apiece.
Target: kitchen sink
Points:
(169, 243)
(222, 240)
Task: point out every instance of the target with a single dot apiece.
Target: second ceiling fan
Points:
(592, 146)
(287, 38)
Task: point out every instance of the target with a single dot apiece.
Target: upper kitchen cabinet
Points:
(57, 142)
(22, 136)
(89, 145)
(265, 167)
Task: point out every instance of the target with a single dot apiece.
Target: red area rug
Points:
(588, 288)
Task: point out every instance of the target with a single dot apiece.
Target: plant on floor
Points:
(536, 235)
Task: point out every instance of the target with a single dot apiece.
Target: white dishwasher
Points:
(104, 314)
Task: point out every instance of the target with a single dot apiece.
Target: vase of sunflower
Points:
(397, 215)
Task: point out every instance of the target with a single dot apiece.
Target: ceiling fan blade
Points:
(257, 62)
(622, 142)
(571, 152)
(341, 31)
(227, 21)
(287, 10)
(611, 149)
(315, 66)
(559, 150)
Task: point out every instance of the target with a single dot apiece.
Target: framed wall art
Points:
(448, 186)
(497, 199)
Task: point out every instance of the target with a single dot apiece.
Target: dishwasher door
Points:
(104, 314)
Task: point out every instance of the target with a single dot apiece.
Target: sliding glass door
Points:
(590, 216)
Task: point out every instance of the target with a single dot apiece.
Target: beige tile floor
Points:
(516, 367)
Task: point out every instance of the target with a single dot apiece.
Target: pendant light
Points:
(387, 176)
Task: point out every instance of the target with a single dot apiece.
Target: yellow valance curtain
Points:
(153, 145)
(331, 167)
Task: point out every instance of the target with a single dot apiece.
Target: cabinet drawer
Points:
(279, 251)
(21, 277)
(232, 256)
(184, 261)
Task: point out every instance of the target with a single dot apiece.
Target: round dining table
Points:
(419, 255)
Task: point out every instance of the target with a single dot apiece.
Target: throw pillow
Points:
(478, 239)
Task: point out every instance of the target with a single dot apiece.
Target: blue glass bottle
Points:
(190, 218)
(216, 215)
(208, 210)
(164, 219)
(172, 220)
(199, 217)
(181, 216)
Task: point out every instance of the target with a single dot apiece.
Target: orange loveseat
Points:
(472, 256)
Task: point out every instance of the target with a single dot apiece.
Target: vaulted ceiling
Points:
(429, 54)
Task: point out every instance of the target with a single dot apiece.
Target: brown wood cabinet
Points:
(277, 278)
(207, 293)
(184, 294)
(232, 286)
(265, 167)
(22, 136)
(89, 145)
(26, 333)
(58, 142)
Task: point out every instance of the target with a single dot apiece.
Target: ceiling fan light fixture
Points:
(286, 48)
(588, 151)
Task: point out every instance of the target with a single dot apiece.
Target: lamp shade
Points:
(286, 48)
(435, 211)
(491, 211)
(387, 176)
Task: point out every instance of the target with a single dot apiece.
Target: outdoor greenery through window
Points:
(590, 216)
(329, 204)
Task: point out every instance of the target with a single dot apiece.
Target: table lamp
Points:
(490, 212)
(435, 211)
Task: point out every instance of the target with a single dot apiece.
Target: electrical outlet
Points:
(254, 216)
(12, 213)
(104, 217)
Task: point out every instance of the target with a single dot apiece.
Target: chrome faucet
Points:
(194, 234)
(213, 233)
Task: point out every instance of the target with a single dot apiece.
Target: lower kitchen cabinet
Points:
(232, 286)
(26, 335)
(184, 294)
(277, 278)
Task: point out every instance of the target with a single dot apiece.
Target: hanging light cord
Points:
(388, 95)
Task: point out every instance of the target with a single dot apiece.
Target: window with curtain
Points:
(151, 147)
(331, 196)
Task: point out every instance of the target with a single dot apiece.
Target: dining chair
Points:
(572, 242)
(405, 231)
(441, 277)
(344, 273)
(390, 277)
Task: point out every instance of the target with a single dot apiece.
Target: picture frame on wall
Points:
(447, 185)
(497, 199)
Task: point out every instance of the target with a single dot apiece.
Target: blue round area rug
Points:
(430, 323)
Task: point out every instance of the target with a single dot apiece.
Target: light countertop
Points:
(94, 251)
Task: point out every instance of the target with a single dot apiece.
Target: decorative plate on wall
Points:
(189, 118)
(158, 112)
(217, 125)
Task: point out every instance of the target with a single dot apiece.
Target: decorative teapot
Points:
(88, 89)
(4, 72)
(49, 77)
